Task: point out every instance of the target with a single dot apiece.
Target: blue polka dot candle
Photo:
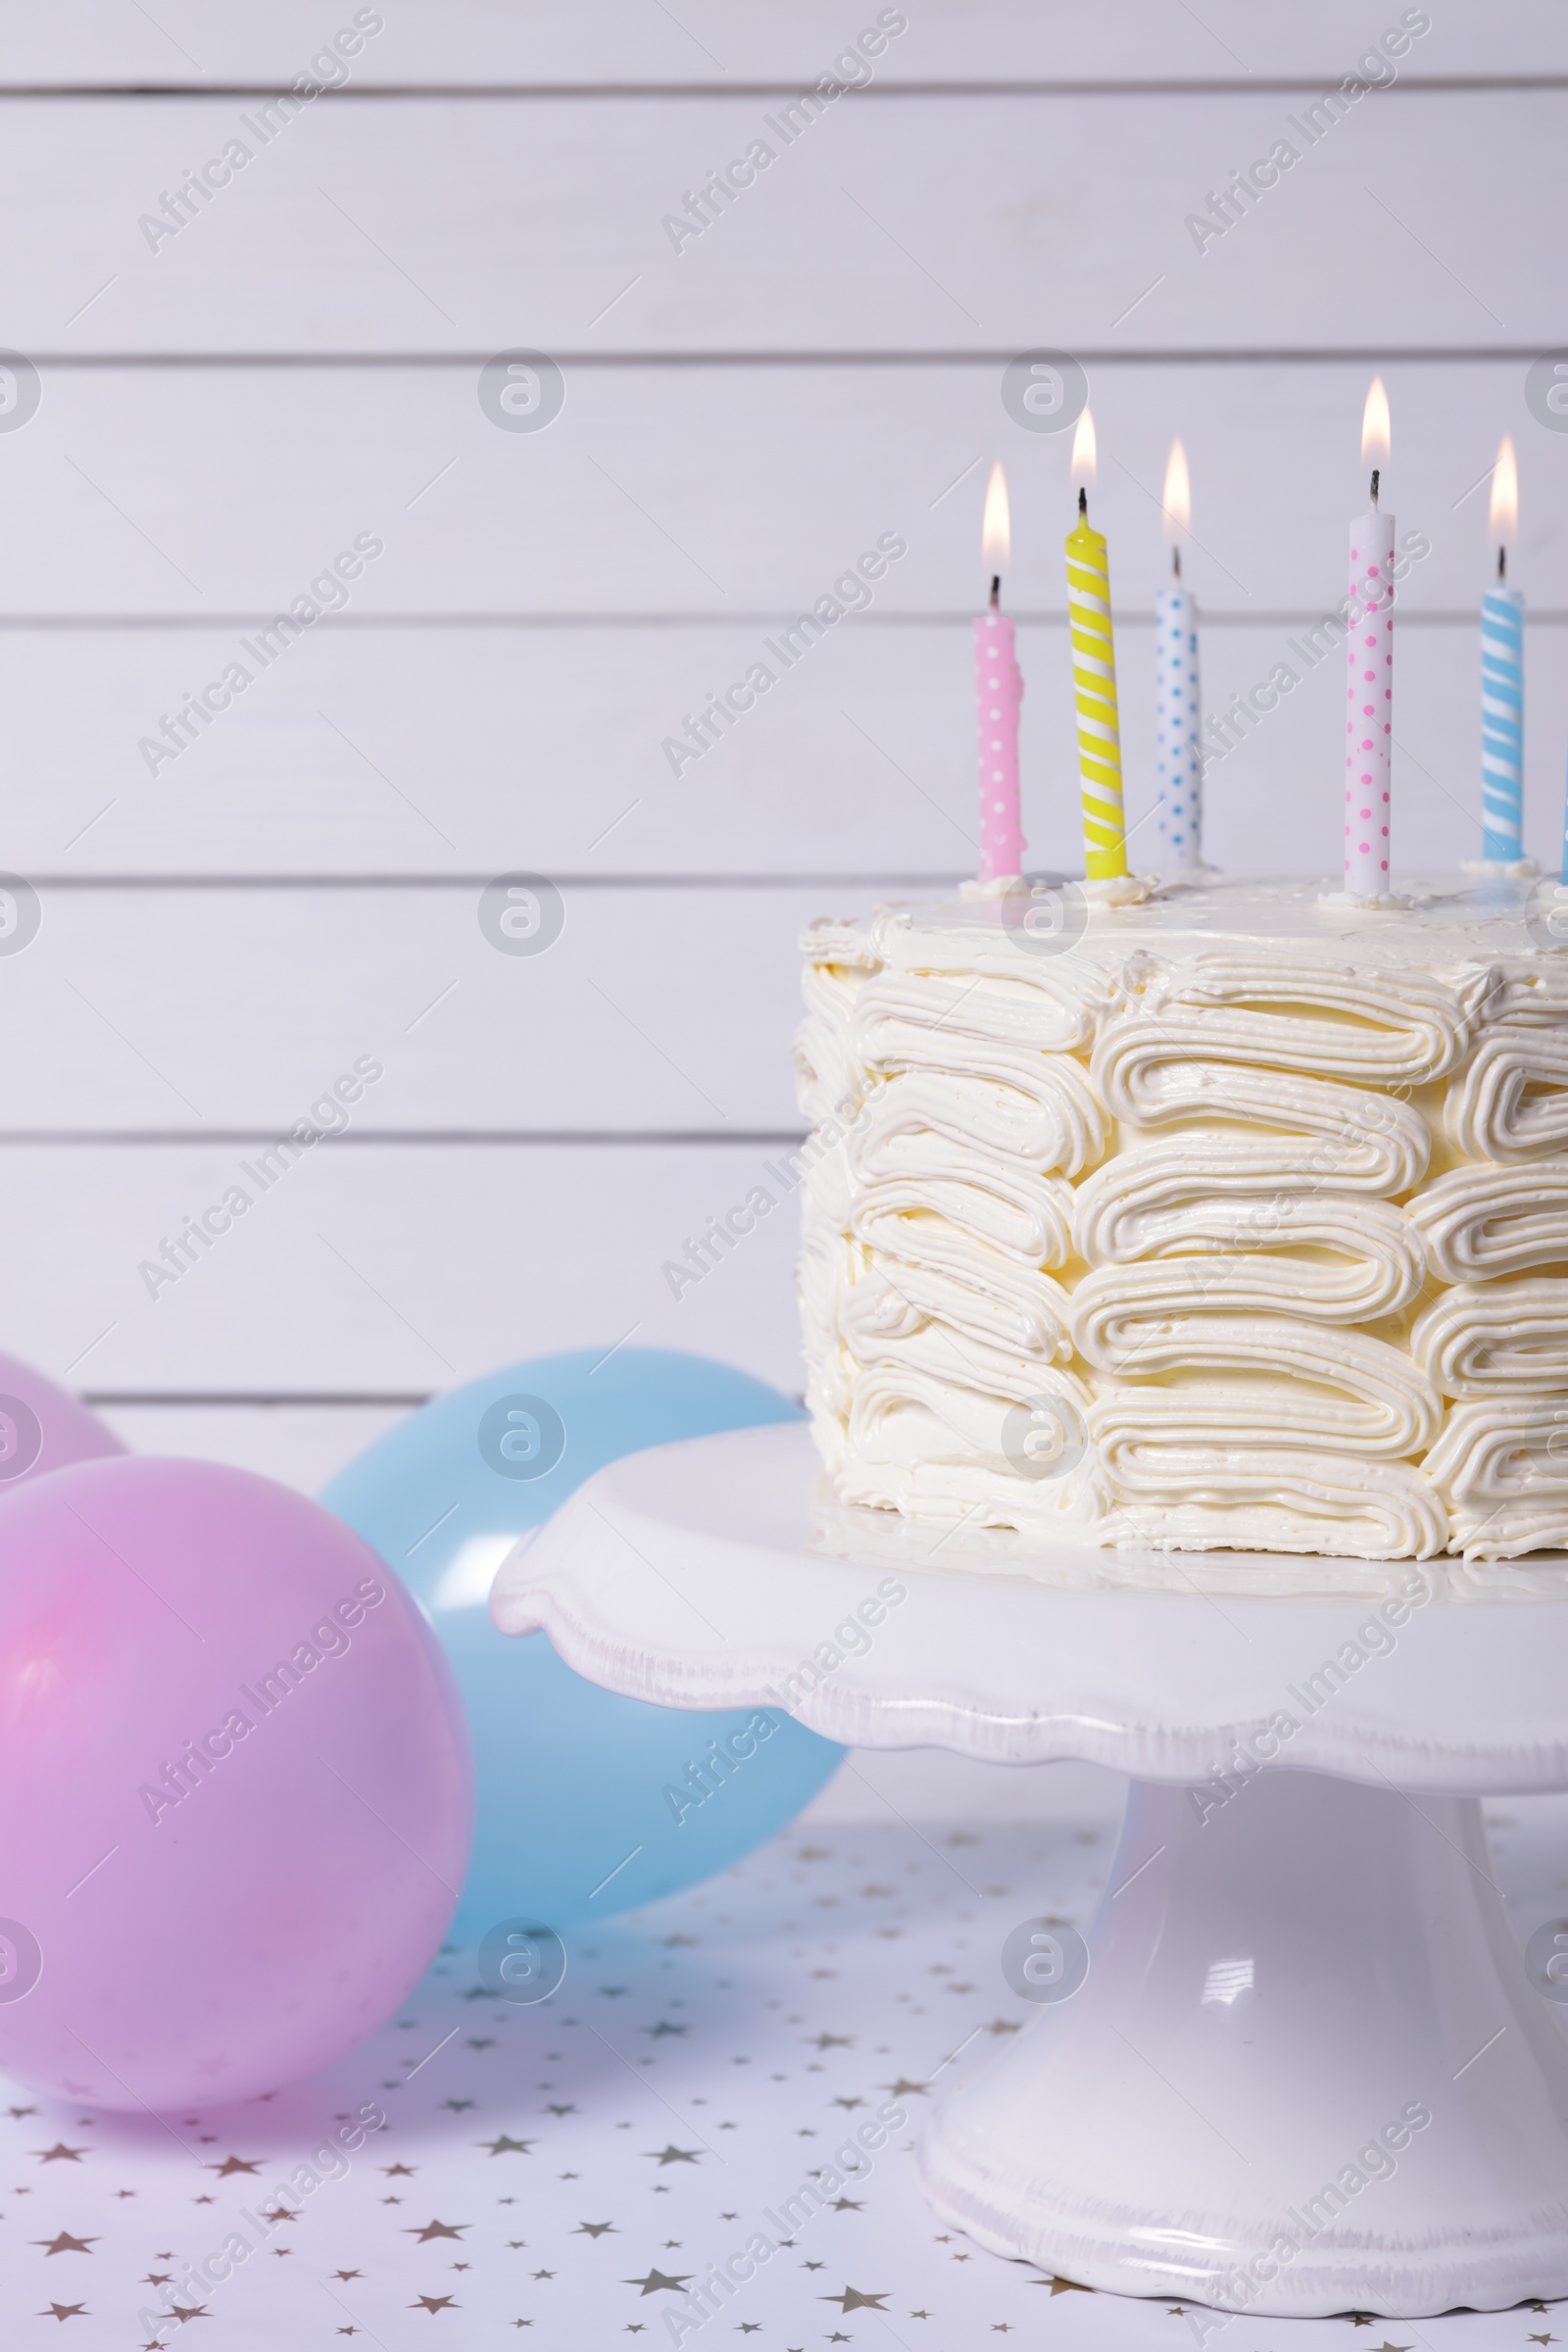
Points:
(1369, 674)
(1502, 682)
(1179, 762)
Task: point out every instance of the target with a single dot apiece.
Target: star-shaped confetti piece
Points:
(60, 2154)
(673, 2155)
(655, 2279)
(434, 2303)
(235, 2163)
(503, 2146)
(851, 2299)
(438, 2229)
(65, 2311)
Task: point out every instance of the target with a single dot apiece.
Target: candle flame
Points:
(1375, 425)
(1504, 520)
(1083, 449)
(996, 531)
(1178, 499)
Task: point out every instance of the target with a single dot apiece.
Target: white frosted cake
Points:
(1227, 1220)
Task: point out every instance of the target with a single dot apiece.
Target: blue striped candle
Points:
(1503, 723)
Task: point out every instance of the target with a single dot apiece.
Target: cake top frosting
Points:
(1444, 921)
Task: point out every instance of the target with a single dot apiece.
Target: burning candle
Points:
(1180, 765)
(1094, 676)
(1503, 681)
(1369, 671)
(998, 690)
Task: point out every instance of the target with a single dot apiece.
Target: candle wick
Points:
(1082, 504)
(1503, 562)
(1374, 486)
(1176, 563)
(996, 588)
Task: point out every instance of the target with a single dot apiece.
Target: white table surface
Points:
(739, 2023)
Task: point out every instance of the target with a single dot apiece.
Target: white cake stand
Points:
(1281, 1974)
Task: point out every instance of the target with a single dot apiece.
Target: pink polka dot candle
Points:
(1369, 674)
(998, 692)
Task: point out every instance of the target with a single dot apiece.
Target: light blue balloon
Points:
(573, 1821)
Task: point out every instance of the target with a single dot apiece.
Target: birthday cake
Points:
(1228, 1219)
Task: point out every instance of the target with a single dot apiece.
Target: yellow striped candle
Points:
(1094, 685)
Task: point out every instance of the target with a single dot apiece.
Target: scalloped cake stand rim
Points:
(681, 1575)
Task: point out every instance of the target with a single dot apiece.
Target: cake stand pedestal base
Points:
(1307, 2069)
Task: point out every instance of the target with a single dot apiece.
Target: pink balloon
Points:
(236, 1789)
(41, 1428)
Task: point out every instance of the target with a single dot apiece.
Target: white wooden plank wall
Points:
(225, 410)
